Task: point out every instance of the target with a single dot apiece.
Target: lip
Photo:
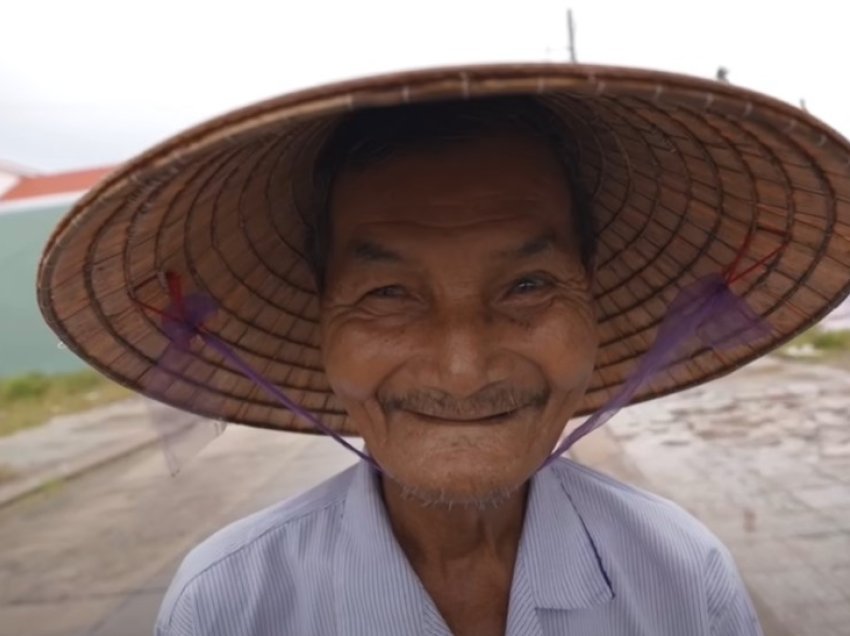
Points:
(490, 419)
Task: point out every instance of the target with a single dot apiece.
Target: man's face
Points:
(457, 327)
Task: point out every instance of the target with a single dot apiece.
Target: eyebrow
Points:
(532, 247)
(370, 252)
(366, 251)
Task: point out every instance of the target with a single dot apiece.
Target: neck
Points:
(443, 534)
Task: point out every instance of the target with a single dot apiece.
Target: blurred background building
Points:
(30, 206)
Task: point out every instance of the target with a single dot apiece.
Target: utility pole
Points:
(571, 37)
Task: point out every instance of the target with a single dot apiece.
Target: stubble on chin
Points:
(449, 501)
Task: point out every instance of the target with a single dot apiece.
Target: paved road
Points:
(93, 557)
(763, 458)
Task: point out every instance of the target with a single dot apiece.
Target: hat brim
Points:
(680, 171)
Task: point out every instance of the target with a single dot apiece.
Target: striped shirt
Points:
(595, 557)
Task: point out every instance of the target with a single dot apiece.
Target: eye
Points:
(529, 284)
(388, 291)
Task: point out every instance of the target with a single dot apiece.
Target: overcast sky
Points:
(91, 82)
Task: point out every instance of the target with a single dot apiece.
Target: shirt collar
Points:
(377, 590)
(557, 555)
(558, 566)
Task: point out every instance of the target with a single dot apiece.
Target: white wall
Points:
(7, 180)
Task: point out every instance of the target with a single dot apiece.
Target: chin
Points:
(471, 495)
(452, 479)
(462, 464)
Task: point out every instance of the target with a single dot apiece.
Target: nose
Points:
(463, 350)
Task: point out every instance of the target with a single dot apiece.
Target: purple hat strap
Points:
(705, 311)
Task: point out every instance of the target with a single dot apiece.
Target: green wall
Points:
(26, 343)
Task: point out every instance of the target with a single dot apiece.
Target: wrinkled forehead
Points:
(485, 187)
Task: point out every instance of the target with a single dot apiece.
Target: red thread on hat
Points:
(708, 310)
(730, 274)
(182, 322)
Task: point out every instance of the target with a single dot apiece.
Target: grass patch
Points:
(51, 486)
(6, 474)
(818, 343)
(32, 399)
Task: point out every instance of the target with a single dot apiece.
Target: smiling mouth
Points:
(487, 419)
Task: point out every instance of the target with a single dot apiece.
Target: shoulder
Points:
(630, 503)
(625, 515)
(653, 548)
(271, 525)
(271, 543)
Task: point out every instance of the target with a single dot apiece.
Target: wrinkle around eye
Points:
(388, 292)
(552, 290)
(389, 300)
(540, 282)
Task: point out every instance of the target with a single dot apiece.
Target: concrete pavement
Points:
(69, 445)
(94, 557)
(762, 457)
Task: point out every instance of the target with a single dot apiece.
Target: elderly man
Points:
(459, 252)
